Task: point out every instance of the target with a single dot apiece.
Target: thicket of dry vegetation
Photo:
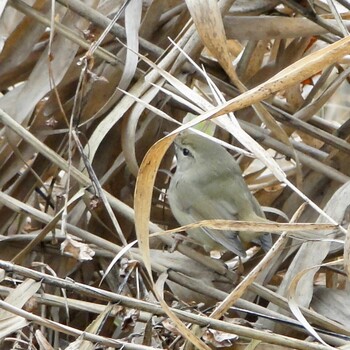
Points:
(91, 93)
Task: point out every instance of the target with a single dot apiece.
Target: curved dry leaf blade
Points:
(347, 253)
(143, 195)
(158, 288)
(132, 25)
(94, 328)
(208, 20)
(22, 293)
(42, 341)
(10, 322)
(142, 205)
(116, 258)
(294, 307)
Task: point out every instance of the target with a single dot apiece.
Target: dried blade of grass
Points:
(42, 341)
(311, 130)
(98, 42)
(197, 102)
(182, 100)
(132, 25)
(338, 18)
(22, 294)
(266, 226)
(211, 31)
(142, 207)
(117, 258)
(39, 146)
(9, 322)
(99, 190)
(169, 93)
(277, 27)
(11, 325)
(309, 161)
(318, 86)
(94, 328)
(347, 252)
(294, 307)
(10, 168)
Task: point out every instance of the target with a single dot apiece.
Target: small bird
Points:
(208, 184)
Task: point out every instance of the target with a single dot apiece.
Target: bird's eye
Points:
(185, 152)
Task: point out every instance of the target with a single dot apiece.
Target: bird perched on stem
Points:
(208, 184)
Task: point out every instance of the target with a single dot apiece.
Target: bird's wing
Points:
(265, 240)
(217, 209)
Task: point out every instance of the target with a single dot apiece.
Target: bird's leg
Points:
(178, 238)
(240, 267)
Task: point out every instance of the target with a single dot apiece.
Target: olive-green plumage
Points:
(208, 184)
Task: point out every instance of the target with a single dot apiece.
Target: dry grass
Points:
(92, 95)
